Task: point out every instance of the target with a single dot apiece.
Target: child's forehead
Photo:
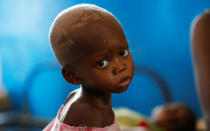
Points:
(99, 37)
(104, 48)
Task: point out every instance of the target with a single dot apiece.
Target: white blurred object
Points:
(135, 129)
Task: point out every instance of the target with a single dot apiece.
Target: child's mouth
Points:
(125, 81)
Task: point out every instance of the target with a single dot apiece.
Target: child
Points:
(91, 47)
(174, 117)
(201, 55)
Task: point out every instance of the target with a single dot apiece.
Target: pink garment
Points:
(55, 125)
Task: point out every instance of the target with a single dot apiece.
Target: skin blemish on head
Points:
(64, 39)
(90, 16)
(65, 46)
(63, 43)
(79, 25)
(84, 19)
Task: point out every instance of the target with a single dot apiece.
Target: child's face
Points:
(107, 64)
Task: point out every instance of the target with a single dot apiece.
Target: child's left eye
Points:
(124, 52)
(102, 63)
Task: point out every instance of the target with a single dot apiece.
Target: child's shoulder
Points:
(76, 111)
(71, 95)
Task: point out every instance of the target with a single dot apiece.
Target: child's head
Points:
(174, 117)
(92, 49)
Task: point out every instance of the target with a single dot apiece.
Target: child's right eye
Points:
(102, 64)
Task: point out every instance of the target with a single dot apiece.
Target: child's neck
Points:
(99, 98)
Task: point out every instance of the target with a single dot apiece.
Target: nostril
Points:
(124, 68)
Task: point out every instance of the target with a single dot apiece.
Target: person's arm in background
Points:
(200, 37)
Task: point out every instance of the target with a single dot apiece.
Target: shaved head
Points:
(75, 28)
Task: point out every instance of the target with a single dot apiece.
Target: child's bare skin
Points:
(174, 117)
(93, 51)
(201, 56)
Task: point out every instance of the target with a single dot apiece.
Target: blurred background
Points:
(158, 32)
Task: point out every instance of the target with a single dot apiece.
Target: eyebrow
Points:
(102, 53)
(106, 53)
(125, 43)
(125, 46)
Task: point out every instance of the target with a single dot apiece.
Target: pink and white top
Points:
(56, 125)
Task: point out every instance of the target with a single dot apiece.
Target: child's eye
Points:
(124, 52)
(102, 63)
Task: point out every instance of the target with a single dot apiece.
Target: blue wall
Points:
(158, 33)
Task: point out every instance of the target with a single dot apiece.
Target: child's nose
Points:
(119, 67)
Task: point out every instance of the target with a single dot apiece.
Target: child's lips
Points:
(125, 81)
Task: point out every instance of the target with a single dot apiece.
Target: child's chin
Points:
(120, 89)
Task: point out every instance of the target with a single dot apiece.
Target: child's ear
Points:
(70, 76)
